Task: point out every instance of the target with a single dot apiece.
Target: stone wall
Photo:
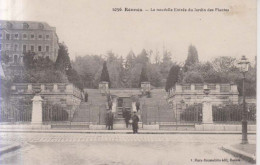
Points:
(193, 93)
(66, 95)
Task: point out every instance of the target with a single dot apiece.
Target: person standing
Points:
(127, 117)
(110, 120)
(86, 97)
(135, 120)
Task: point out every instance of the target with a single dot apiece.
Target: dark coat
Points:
(109, 118)
(135, 119)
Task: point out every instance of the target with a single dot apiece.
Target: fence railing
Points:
(229, 114)
(16, 113)
(232, 114)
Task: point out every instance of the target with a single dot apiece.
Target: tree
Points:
(105, 74)
(89, 69)
(166, 64)
(143, 57)
(154, 74)
(172, 77)
(193, 77)
(143, 76)
(74, 78)
(192, 58)
(225, 64)
(130, 60)
(63, 59)
(207, 71)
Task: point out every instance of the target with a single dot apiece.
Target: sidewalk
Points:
(129, 131)
(244, 151)
(5, 147)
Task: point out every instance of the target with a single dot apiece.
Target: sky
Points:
(92, 27)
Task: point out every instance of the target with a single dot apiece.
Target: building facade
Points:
(18, 37)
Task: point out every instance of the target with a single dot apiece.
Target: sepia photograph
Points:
(128, 82)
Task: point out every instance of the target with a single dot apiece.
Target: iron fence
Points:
(185, 115)
(232, 114)
(14, 113)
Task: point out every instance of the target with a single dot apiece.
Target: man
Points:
(86, 97)
(135, 120)
(127, 116)
(110, 119)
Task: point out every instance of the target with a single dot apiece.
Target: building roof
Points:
(19, 25)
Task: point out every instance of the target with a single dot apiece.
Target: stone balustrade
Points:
(193, 93)
(198, 89)
(46, 88)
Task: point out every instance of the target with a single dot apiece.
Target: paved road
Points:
(117, 149)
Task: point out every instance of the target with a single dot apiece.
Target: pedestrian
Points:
(135, 120)
(110, 120)
(127, 117)
(86, 97)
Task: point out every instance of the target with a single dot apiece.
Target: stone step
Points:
(69, 126)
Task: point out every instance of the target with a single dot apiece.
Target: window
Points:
(7, 36)
(41, 26)
(32, 36)
(16, 36)
(40, 36)
(15, 47)
(39, 48)
(1, 36)
(24, 36)
(25, 26)
(24, 48)
(47, 48)
(9, 25)
(15, 58)
(47, 36)
(7, 46)
(32, 48)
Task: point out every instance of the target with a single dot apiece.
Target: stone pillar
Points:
(30, 88)
(13, 87)
(192, 87)
(55, 87)
(69, 88)
(103, 87)
(178, 88)
(37, 110)
(234, 88)
(145, 87)
(218, 87)
(42, 87)
(114, 105)
(134, 106)
(207, 117)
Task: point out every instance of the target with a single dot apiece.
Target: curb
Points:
(238, 153)
(9, 148)
(123, 131)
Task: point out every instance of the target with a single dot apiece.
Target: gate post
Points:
(37, 110)
(207, 109)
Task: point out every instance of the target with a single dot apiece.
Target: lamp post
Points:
(244, 63)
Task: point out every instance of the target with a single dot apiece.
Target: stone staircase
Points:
(157, 107)
(92, 111)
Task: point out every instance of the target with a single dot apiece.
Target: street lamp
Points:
(244, 63)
